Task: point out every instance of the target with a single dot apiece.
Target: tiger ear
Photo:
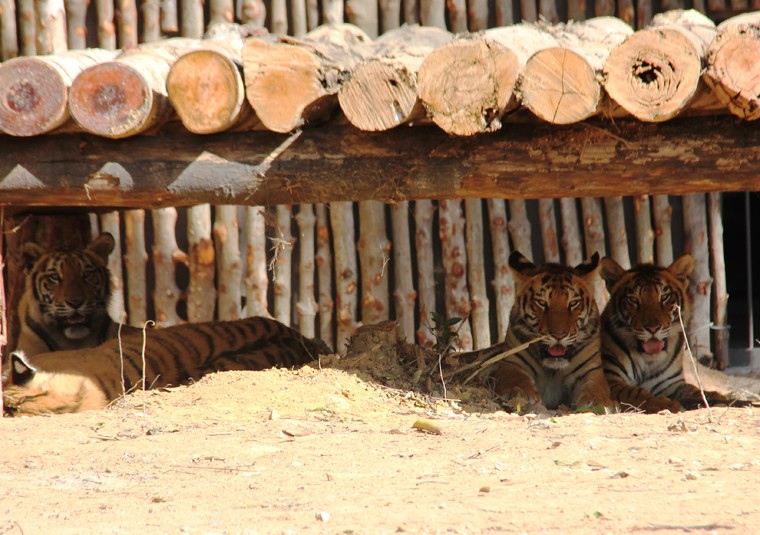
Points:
(682, 267)
(30, 253)
(102, 245)
(21, 372)
(588, 267)
(612, 272)
(520, 266)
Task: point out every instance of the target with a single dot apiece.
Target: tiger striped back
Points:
(643, 343)
(71, 381)
(555, 304)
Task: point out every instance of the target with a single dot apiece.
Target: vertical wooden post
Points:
(617, 234)
(306, 307)
(700, 281)
(644, 233)
(110, 222)
(720, 303)
(324, 277)
(166, 254)
(663, 213)
(477, 274)
(454, 260)
(571, 235)
(228, 262)
(593, 235)
(519, 228)
(201, 293)
(373, 248)
(503, 285)
(283, 264)
(256, 279)
(548, 222)
(404, 295)
(135, 260)
(424, 211)
(342, 220)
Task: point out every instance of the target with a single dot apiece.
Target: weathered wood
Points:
(503, 284)
(169, 17)
(229, 266)
(127, 23)
(127, 96)
(560, 84)
(221, 11)
(151, 13)
(718, 265)
(424, 211)
(135, 261)
(519, 227)
(700, 280)
(433, 13)
(27, 27)
(51, 27)
(191, 23)
(593, 236)
(332, 11)
(324, 277)
(662, 216)
(457, 15)
(282, 263)
(677, 157)
(306, 306)
(292, 82)
(279, 17)
(106, 27)
(733, 71)
(34, 91)
(166, 255)
(454, 260)
(382, 91)
(346, 274)
(8, 30)
(571, 234)
(404, 295)
(110, 222)
(374, 250)
(76, 23)
(468, 85)
(655, 74)
(548, 223)
(201, 291)
(644, 232)
(363, 15)
(618, 237)
(253, 12)
(256, 281)
(476, 273)
(503, 13)
(626, 12)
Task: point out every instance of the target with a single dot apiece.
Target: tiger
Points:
(643, 343)
(555, 304)
(91, 378)
(65, 299)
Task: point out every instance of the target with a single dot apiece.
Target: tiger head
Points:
(67, 291)
(554, 302)
(645, 303)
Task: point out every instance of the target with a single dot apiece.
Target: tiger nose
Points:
(74, 302)
(652, 327)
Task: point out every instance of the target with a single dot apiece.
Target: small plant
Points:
(444, 332)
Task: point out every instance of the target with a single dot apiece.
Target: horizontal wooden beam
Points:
(341, 163)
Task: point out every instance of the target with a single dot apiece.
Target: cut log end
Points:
(653, 74)
(206, 89)
(560, 86)
(111, 100)
(734, 72)
(33, 97)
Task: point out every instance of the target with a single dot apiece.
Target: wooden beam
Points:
(341, 163)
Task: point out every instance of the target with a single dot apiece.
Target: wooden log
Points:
(76, 23)
(135, 262)
(733, 71)
(561, 84)
(306, 307)
(424, 211)
(27, 16)
(468, 85)
(256, 280)
(206, 87)
(655, 73)
(604, 8)
(166, 255)
(571, 235)
(576, 10)
(644, 232)
(700, 280)
(201, 292)
(374, 250)
(127, 96)
(404, 295)
(51, 27)
(503, 284)
(294, 82)
(519, 227)
(346, 282)
(282, 264)
(454, 260)
(8, 30)
(411, 12)
(106, 27)
(324, 277)
(34, 91)
(110, 222)
(644, 13)
(718, 269)
(662, 216)
(127, 23)
(548, 223)
(476, 273)
(229, 268)
(382, 92)
(618, 237)
(312, 14)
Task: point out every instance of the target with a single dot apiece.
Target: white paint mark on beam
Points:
(21, 178)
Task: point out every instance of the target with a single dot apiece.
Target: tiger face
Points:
(646, 302)
(66, 294)
(554, 302)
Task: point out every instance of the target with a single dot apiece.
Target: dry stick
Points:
(342, 220)
(282, 263)
(8, 30)
(503, 284)
(169, 18)
(593, 236)
(76, 23)
(110, 222)
(644, 232)
(454, 260)
(27, 17)
(693, 362)
(571, 234)
(548, 222)
(484, 365)
(256, 279)
(519, 227)
(720, 302)
(106, 28)
(166, 254)
(228, 263)
(127, 23)
(424, 211)
(324, 276)
(306, 307)
(662, 215)
(201, 292)
(374, 249)
(613, 206)
(51, 27)
(135, 261)
(404, 294)
(476, 273)
(700, 281)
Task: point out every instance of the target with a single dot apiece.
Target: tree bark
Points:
(76, 23)
(373, 249)
(201, 292)
(109, 222)
(192, 23)
(593, 236)
(503, 285)
(548, 223)
(718, 264)
(8, 30)
(135, 261)
(324, 277)
(282, 264)
(106, 27)
(363, 15)
(256, 279)
(27, 16)
(404, 295)
(342, 221)
(476, 273)
(293, 82)
(51, 27)
(733, 71)
(166, 254)
(662, 216)
(700, 281)
(306, 307)
(519, 228)
(424, 211)
(433, 13)
(644, 233)
(571, 235)
(454, 260)
(618, 236)
(127, 23)
(228, 262)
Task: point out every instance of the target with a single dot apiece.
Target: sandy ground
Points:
(335, 450)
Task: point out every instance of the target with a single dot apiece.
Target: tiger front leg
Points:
(635, 398)
(511, 382)
(593, 392)
(691, 397)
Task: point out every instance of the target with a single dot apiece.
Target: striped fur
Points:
(64, 304)
(564, 368)
(77, 380)
(642, 340)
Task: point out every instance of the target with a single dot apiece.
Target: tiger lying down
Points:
(86, 379)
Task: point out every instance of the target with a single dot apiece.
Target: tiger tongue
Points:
(653, 345)
(75, 319)
(557, 350)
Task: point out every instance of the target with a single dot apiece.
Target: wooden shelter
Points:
(330, 166)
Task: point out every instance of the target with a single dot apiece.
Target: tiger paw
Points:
(653, 405)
